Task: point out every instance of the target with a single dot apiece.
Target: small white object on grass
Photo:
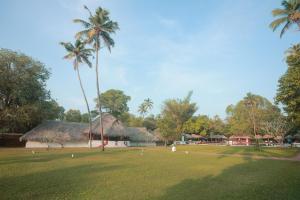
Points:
(173, 149)
(186, 152)
(72, 155)
(33, 152)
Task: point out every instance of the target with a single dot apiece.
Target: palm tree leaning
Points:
(80, 55)
(287, 16)
(96, 31)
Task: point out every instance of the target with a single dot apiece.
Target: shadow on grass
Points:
(249, 152)
(64, 183)
(255, 179)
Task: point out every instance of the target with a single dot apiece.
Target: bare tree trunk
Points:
(98, 98)
(87, 105)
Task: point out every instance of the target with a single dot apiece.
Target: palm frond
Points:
(69, 56)
(110, 27)
(80, 34)
(108, 41)
(276, 23)
(279, 12)
(286, 26)
(87, 61)
(84, 23)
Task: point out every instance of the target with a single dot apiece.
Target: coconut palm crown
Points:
(98, 28)
(78, 52)
(287, 16)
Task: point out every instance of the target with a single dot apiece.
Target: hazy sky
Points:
(219, 49)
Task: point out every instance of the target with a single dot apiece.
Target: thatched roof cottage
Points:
(70, 134)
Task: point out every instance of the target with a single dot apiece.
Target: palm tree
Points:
(148, 104)
(145, 107)
(96, 31)
(142, 110)
(287, 16)
(80, 55)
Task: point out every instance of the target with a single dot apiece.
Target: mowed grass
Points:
(193, 172)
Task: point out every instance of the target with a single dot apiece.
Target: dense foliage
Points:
(249, 114)
(24, 99)
(175, 113)
(114, 102)
(288, 92)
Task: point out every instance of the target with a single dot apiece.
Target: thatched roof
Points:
(55, 131)
(58, 131)
(139, 134)
(111, 126)
(217, 137)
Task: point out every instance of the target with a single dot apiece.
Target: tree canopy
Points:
(288, 92)
(114, 102)
(248, 115)
(24, 99)
(174, 114)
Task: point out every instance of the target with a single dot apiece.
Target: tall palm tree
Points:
(148, 104)
(96, 31)
(287, 16)
(142, 110)
(145, 107)
(80, 55)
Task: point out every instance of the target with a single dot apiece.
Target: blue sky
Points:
(219, 49)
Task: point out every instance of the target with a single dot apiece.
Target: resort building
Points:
(239, 140)
(57, 134)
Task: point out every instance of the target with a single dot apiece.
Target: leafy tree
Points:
(278, 126)
(134, 121)
(166, 128)
(248, 115)
(150, 123)
(179, 111)
(114, 102)
(196, 125)
(287, 16)
(288, 92)
(216, 125)
(97, 32)
(24, 99)
(73, 115)
(85, 118)
(80, 55)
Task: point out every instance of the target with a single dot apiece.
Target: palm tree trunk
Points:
(87, 105)
(98, 98)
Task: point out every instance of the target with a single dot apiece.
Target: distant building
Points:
(69, 134)
(239, 140)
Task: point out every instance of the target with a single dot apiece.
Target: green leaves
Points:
(98, 29)
(24, 99)
(289, 15)
(114, 102)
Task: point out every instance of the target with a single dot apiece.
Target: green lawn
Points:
(157, 173)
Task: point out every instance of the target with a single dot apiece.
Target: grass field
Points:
(204, 172)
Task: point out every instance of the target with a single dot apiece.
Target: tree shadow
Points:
(64, 183)
(253, 179)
